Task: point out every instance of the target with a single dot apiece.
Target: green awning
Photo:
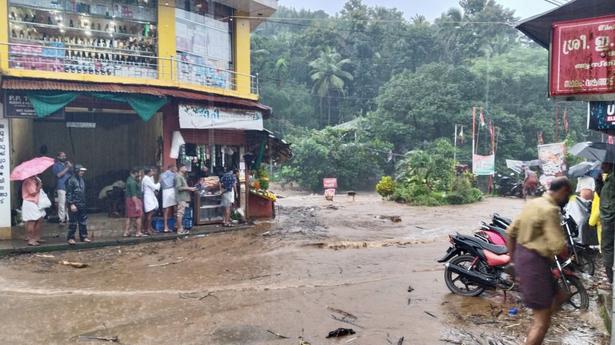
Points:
(46, 103)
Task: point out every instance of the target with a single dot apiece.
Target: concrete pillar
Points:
(5, 183)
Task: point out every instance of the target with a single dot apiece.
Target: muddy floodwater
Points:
(320, 266)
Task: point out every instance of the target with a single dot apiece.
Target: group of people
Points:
(142, 192)
(72, 207)
(536, 237)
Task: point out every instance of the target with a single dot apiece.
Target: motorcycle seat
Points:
(501, 219)
(499, 250)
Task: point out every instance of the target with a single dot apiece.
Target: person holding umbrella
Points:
(77, 212)
(35, 201)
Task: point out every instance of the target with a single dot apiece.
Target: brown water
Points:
(296, 277)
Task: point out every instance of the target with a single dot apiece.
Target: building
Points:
(113, 83)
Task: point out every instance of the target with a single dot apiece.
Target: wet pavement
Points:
(318, 267)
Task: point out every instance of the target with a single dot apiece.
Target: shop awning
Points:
(44, 85)
(538, 28)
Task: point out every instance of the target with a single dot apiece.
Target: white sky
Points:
(431, 8)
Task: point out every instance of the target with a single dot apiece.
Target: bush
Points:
(386, 186)
(455, 198)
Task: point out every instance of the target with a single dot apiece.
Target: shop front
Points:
(111, 130)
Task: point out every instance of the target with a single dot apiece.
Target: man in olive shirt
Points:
(607, 218)
(182, 195)
(536, 237)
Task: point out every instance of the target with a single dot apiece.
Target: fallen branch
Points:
(343, 313)
(430, 314)
(167, 263)
(277, 334)
(113, 339)
(345, 320)
(400, 341)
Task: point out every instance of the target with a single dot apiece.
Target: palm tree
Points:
(329, 76)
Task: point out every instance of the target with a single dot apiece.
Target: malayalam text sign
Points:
(205, 117)
(583, 57)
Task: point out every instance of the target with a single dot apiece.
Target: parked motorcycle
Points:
(473, 265)
(582, 255)
(509, 185)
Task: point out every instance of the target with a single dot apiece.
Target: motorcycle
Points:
(473, 265)
(509, 185)
(582, 255)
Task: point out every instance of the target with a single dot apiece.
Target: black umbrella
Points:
(582, 169)
(602, 152)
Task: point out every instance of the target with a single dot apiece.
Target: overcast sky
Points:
(431, 8)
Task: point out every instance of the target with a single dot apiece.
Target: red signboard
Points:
(583, 57)
(328, 183)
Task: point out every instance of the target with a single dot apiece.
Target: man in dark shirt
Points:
(228, 197)
(607, 218)
(62, 170)
(76, 199)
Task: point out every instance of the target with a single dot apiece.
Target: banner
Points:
(483, 165)
(582, 58)
(208, 117)
(553, 159)
(5, 184)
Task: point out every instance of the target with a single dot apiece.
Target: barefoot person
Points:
(150, 201)
(167, 184)
(134, 206)
(32, 211)
(535, 239)
(182, 194)
(228, 197)
(77, 212)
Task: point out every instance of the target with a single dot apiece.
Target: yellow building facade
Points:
(133, 72)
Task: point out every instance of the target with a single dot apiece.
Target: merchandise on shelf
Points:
(83, 38)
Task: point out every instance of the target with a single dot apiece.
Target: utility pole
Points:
(455, 149)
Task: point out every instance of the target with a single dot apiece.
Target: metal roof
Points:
(538, 28)
(41, 84)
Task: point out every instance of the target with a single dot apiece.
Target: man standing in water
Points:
(535, 239)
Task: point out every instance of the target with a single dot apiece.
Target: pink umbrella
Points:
(31, 168)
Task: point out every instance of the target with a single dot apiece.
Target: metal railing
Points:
(109, 62)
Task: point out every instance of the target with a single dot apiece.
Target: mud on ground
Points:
(318, 267)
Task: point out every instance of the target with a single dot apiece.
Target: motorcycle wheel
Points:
(585, 263)
(579, 299)
(467, 288)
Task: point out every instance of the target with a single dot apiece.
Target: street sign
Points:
(17, 105)
(582, 55)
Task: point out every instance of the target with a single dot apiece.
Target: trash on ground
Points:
(341, 332)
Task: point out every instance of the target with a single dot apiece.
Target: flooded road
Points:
(317, 268)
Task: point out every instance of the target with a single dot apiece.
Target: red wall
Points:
(194, 136)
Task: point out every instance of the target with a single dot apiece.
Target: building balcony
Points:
(114, 66)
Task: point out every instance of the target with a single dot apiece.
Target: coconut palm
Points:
(329, 76)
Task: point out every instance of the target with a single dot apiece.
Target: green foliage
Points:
(386, 186)
(335, 153)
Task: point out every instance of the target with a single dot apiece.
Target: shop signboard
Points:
(583, 57)
(601, 116)
(552, 158)
(210, 117)
(483, 165)
(5, 184)
(17, 105)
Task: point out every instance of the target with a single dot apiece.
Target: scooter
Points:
(473, 265)
(582, 255)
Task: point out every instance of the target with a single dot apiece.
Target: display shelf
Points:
(87, 49)
(99, 33)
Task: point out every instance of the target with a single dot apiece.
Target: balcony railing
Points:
(91, 61)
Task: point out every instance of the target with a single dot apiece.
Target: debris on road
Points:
(341, 332)
(45, 256)
(277, 334)
(346, 317)
(410, 288)
(109, 339)
(394, 219)
(167, 263)
(400, 341)
(73, 264)
(430, 314)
